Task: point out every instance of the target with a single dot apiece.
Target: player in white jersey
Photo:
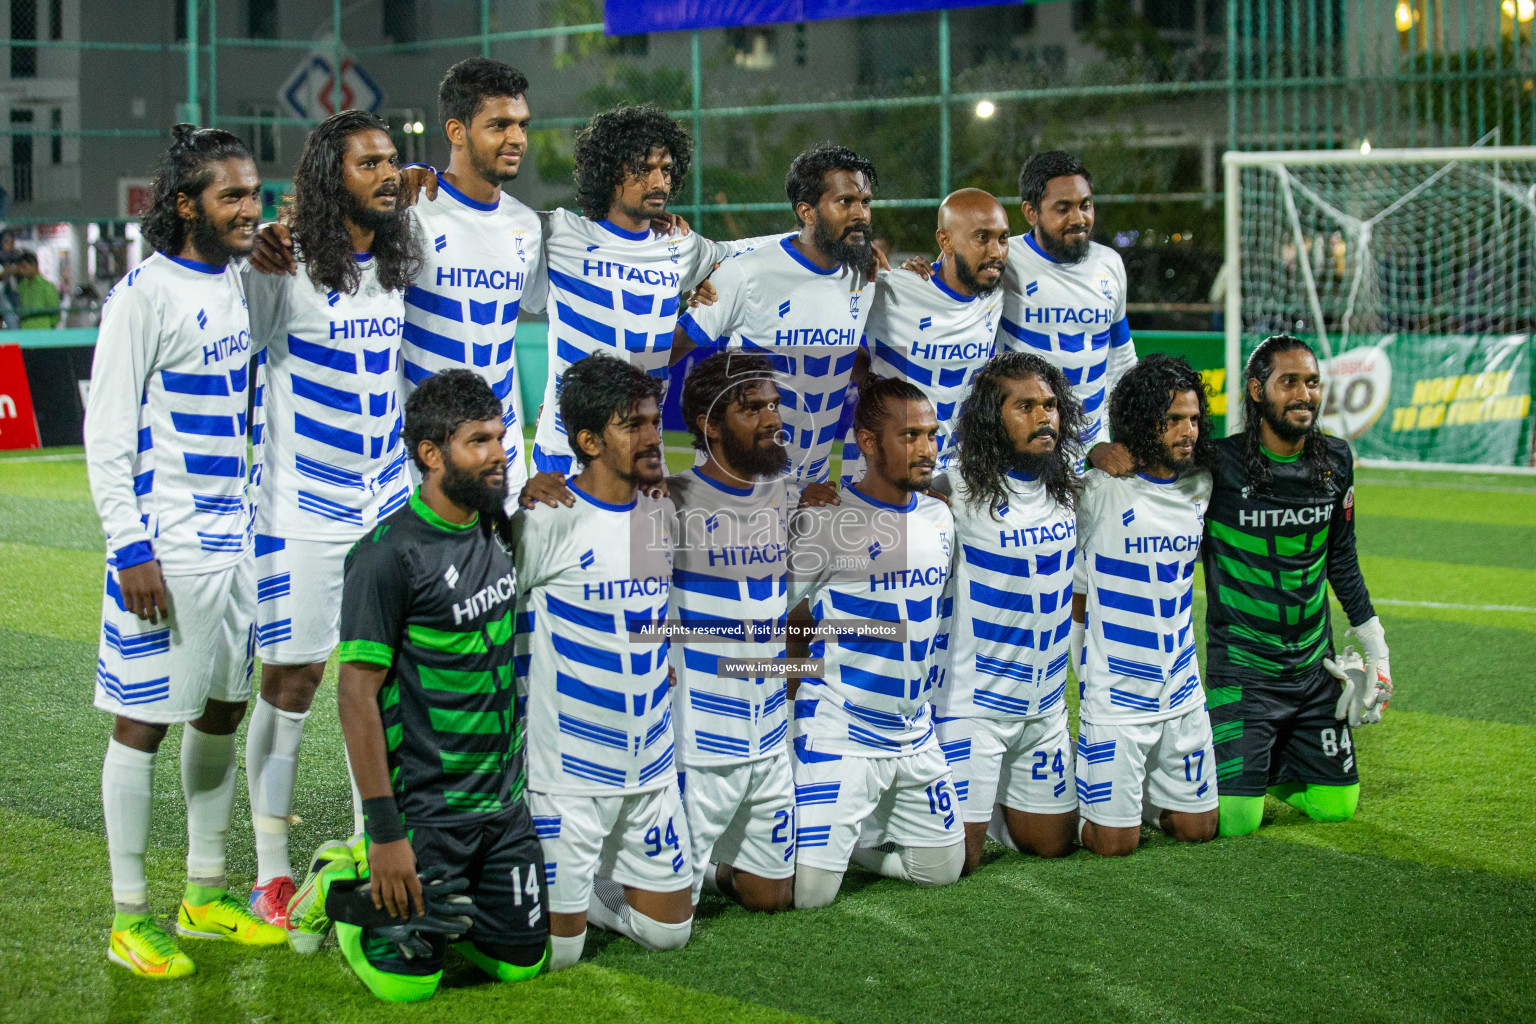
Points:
(871, 783)
(614, 278)
(936, 330)
(1064, 295)
(728, 582)
(330, 460)
(1000, 708)
(1144, 747)
(803, 300)
(165, 452)
(481, 248)
(594, 578)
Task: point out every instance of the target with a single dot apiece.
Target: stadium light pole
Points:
(188, 111)
(943, 102)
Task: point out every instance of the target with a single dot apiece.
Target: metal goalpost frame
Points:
(1234, 162)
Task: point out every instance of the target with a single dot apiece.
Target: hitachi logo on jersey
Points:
(605, 268)
(367, 327)
(1156, 545)
(484, 600)
(1026, 536)
(744, 555)
(900, 579)
(474, 277)
(1065, 315)
(1286, 516)
(817, 336)
(648, 586)
(940, 350)
(230, 344)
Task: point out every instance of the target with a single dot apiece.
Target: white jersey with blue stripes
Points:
(1072, 314)
(611, 291)
(809, 321)
(599, 709)
(165, 417)
(868, 560)
(728, 577)
(1138, 539)
(461, 310)
(329, 459)
(1011, 603)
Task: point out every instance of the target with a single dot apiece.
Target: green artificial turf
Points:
(1423, 908)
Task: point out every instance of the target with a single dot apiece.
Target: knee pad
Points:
(565, 950)
(658, 936)
(505, 963)
(1239, 815)
(385, 983)
(1319, 802)
(934, 865)
(815, 887)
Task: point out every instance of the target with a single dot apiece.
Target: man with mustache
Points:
(594, 581)
(803, 298)
(1144, 740)
(329, 460)
(871, 783)
(728, 578)
(1000, 708)
(1280, 530)
(165, 453)
(427, 704)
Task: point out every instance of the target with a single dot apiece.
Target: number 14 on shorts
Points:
(527, 887)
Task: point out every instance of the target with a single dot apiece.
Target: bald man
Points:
(937, 331)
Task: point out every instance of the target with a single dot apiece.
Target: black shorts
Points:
(504, 863)
(1266, 734)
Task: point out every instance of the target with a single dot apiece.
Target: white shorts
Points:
(742, 815)
(298, 598)
(843, 802)
(1025, 764)
(1169, 765)
(639, 840)
(167, 672)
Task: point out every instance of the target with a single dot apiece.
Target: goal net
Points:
(1413, 274)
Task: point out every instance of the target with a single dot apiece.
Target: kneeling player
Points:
(728, 577)
(1281, 528)
(871, 783)
(601, 780)
(1144, 745)
(1001, 708)
(427, 702)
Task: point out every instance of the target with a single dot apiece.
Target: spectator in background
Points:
(9, 257)
(37, 297)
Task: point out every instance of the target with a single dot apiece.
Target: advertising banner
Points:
(18, 424)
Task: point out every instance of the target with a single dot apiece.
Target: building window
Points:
(400, 20)
(263, 138)
(179, 12)
(23, 26)
(261, 19)
(21, 157)
(1176, 15)
(55, 19)
(56, 140)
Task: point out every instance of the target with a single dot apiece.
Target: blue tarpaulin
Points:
(636, 17)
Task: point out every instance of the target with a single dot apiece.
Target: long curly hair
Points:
(1138, 408)
(183, 170)
(616, 144)
(1314, 447)
(318, 213)
(987, 453)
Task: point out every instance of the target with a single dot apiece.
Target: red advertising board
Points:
(18, 424)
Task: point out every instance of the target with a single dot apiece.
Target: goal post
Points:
(1412, 272)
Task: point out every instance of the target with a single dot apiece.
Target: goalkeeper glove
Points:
(449, 912)
(1378, 670)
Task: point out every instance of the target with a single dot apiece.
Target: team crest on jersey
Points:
(1106, 285)
(1349, 504)
(853, 303)
(674, 250)
(944, 543)
(517, 245)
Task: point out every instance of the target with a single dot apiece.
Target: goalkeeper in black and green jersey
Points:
(1279, 531)
(427, 694)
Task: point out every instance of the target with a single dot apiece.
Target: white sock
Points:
(712, 878)
(608, 909)
(127, 783)
(208, 783)
(1082, 823)
(997, 829)
(271, 774)
(565, 950)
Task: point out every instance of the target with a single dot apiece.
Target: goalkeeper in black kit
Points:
(1280, 530)
(426, 692)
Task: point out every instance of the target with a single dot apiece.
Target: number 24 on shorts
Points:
(655, 842)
